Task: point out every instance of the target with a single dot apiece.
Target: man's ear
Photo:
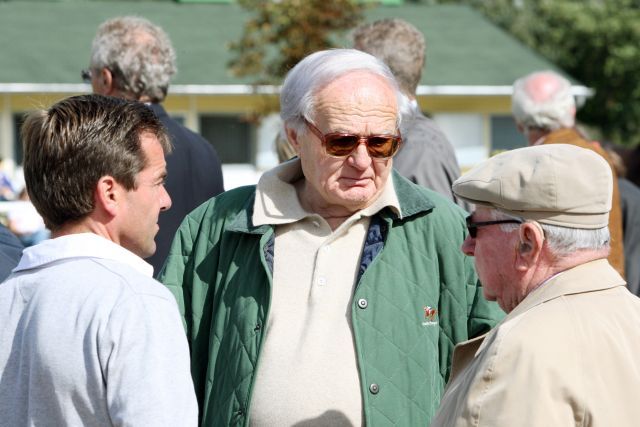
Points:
(531, 239)
(292, 137)
(104, 82)
(107, 195)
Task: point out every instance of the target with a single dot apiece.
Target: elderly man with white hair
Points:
(333, 292)
(566, 353)
(545, 112)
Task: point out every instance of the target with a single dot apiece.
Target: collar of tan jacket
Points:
(591, 276)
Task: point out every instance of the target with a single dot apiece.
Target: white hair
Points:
(562, 241)
(543, 100)
(319, 69)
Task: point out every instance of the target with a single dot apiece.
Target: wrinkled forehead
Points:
(357, 84)
(357, 93)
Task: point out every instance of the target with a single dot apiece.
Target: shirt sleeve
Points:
(147, 371)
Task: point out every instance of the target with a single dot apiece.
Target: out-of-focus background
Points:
(475, 51)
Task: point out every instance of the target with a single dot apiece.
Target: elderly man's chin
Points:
(358, 195)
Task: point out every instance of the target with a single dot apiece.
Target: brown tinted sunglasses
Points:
(339, 144)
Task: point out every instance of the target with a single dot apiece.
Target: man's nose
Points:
(165, 201)
(468, 246)
(360, 156)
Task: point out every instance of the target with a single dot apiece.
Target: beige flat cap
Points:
(556, 184)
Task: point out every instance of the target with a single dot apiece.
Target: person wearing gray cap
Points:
(566, 351)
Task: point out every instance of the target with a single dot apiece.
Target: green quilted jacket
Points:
(417, 296)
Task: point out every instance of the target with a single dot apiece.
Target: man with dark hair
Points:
(88, 337)
(426, 156)
(132, 58)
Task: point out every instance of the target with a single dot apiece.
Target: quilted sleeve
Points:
(176, 274)
(190, 288)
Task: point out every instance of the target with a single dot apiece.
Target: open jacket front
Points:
(220, 270)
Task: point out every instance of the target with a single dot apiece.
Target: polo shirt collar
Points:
(81, 245)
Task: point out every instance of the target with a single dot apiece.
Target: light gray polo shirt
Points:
(88, 338)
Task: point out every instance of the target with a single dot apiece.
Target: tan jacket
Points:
(566, 355)
(572, 137)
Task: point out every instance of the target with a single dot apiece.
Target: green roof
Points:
(49, 42)
(464, 48)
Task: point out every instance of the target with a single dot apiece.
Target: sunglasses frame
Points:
(473, 226)
(323, 138)
(85, 74)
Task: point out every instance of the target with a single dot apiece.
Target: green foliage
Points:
(281, 33)
(595, 41)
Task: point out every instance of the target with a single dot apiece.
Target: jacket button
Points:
(374, 389)
(362, 303)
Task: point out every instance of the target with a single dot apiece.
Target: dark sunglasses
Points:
(473, 226)
(86, 75)
(338, 144)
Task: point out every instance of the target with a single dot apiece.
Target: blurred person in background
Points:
(10, 251)
(132, 58)
(25, 222)
(7, 188)
(545, 112)
(426, 156)
(630, 208)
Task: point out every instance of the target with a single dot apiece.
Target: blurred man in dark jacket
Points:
(426, 157)
(132, 58)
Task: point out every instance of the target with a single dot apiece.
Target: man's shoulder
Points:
(109, 275)
(439, 206)
(424, 132)
(227, 205)
(236, 198)
(569, 136)
(181, 134)
(571, 317)
(96, 279)
(426, 156)
(129, 280)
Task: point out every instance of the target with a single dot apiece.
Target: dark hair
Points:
(70, 146)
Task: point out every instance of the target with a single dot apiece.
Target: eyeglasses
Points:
(338, 144)
(473, 226)
(86, 75)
